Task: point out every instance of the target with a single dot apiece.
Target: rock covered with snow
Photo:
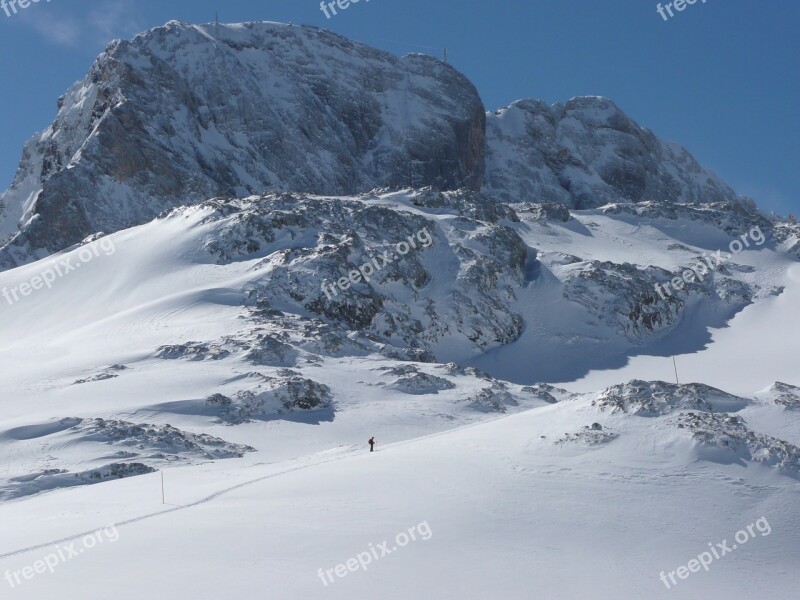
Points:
(626, 295)
(275, 397)
(495, 398)
(421, 383)
(461, 288)
(139, 448)
(547, 392)
(544, 211)
(192, 351)
(107, 373)
(311, 244)
(51, 479)
(783, 394)
(586, 153)
(656, 398)
(734, 218)
(156, 441)
(731, 434)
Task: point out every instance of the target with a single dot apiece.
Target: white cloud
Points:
(63, 31)
(114, 20)
(64, 26)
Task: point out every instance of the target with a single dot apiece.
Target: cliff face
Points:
(587, 153)
(183, 113)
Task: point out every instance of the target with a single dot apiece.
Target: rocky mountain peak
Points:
(183, 113)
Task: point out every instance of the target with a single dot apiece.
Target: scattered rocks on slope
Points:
(589, 435)
(108, 373)
(192, 351)
(730, 433)
(158, 441)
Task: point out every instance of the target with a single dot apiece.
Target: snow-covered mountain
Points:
(258, 245)
(183, 113)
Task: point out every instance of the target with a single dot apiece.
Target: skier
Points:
(371, 444)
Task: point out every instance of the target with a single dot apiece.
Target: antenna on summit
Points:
(216, 19)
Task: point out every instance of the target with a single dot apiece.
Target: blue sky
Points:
(720, 77)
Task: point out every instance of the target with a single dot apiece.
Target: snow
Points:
(507, 511)
(523, 497)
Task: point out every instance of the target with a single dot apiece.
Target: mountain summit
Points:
(183, 113)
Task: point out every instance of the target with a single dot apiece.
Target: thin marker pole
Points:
(676, 369)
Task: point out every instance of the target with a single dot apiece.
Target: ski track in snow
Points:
(245, 484)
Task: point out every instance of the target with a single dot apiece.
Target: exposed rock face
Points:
(587, 153)
(183, 113)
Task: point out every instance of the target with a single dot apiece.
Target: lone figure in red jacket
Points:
(372, 444)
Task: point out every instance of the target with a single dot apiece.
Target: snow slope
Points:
(511, 514)
(523, 494)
